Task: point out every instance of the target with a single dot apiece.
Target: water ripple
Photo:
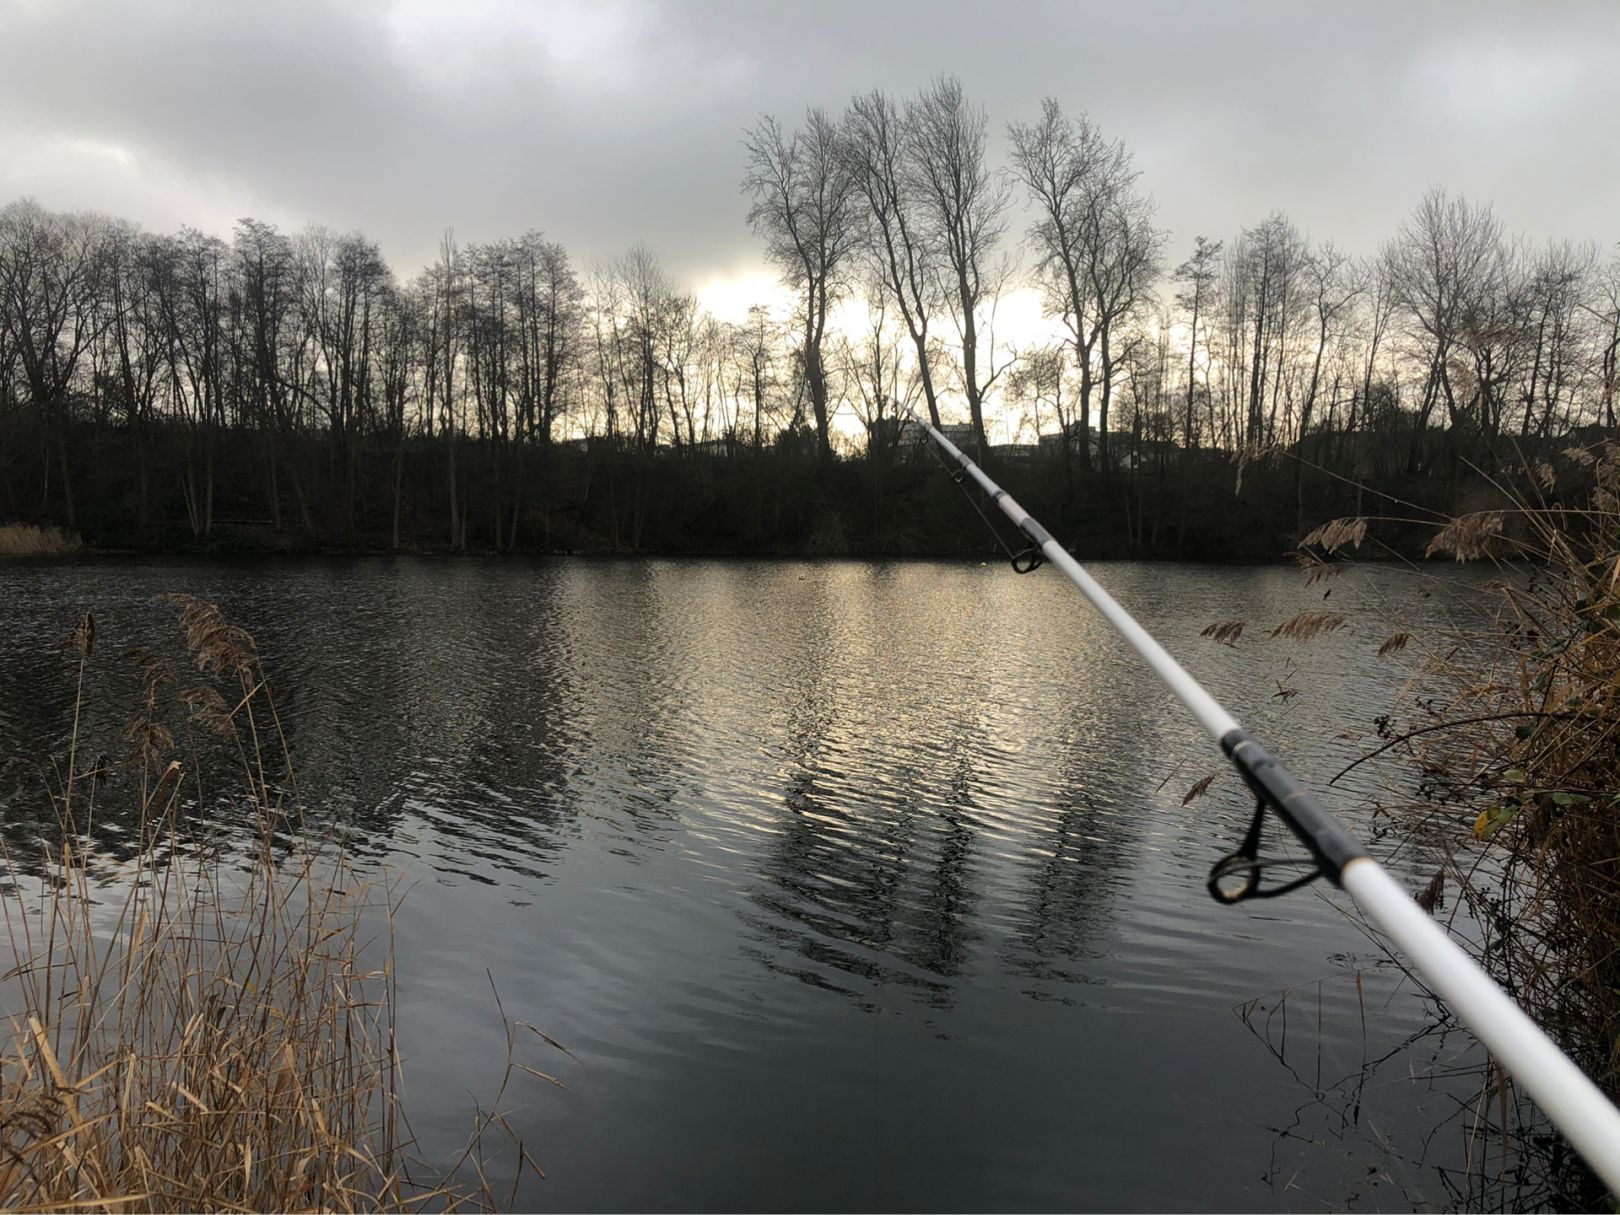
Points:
(812, 863)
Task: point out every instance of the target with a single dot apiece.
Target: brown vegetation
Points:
(203, 1026)
(27, 540)
(1309, 624)
(1335, 534)
(1467, 537)
(1224, 631)
(1516, 742)
(1539, 766)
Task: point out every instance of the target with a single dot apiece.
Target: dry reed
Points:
(27, 540)
(1467, 537)
(1335, 534)
(1536, 758)
(1198, 790)
(1517, 739)
(1226, 632)
(1309, 624)
(205, 1027)
(1394, 643)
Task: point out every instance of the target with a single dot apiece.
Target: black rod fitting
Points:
(1330, 844)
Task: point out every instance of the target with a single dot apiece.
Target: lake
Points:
(847, 884)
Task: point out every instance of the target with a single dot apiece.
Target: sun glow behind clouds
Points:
(1018, 321)
(728, 297)
(1017, 324)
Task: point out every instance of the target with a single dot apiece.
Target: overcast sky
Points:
(611, 121)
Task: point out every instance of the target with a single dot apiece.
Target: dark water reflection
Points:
(846, 885)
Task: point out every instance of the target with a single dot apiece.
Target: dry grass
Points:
(1394, 643)
(1198, 790)
(1335, 534)
(1517, 740)
(1467, 537)
(1309, 624)
(206, 1027)
(1540, 764)
(1226, 632)
(26, 540)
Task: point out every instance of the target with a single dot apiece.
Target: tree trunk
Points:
(455, 517)
(272, 485)
(399, 476)
(67, 477)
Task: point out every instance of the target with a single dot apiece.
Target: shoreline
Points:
(92, 554)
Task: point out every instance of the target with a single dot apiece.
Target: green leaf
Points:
(1493, 820)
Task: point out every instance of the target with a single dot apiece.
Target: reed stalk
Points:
(27, 540)
(1516, 745)
(209, 1025)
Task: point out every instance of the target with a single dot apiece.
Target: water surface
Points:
(846, 885)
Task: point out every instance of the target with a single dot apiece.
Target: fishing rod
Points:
(1568, 1096)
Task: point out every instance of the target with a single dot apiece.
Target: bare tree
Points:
(1333, 285)
(1439, 265)
(1269, 261)
(964, 202)
(1380, 308)
(50, 268)
(1198, 275)
(676, 345)
(341, 279)
(1555, 292)
(604, 306)
(1096, 245)
(445, 291)
(876, 140)
(549, 319)
(397, 342)
(274, 356)
(805, 208)
(647, 291)
(1603, 307)
(755, 346)
(1036, 382)
(134, 326)
(1121, 250)
(491, 342)
(549, 304)
(192, 286)
(874, 377)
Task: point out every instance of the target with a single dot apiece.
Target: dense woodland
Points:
(287, 390)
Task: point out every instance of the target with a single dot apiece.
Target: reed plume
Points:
(205, 1026)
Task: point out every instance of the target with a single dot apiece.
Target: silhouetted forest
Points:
(283, 391)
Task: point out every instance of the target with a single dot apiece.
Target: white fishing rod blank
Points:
(1568, 1096)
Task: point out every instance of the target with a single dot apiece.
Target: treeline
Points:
(288, 389)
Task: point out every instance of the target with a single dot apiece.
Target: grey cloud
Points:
(608, 126)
